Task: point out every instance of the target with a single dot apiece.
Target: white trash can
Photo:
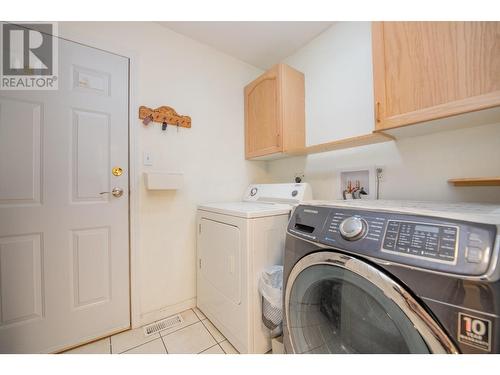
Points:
(271, 289)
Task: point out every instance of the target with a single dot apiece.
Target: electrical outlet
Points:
(147, 159)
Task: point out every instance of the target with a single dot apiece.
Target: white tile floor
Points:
(195, 335)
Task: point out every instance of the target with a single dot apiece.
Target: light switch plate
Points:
(147, 159)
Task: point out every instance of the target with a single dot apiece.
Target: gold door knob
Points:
(116, 192)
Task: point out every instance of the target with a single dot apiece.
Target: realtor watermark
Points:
(29, 56)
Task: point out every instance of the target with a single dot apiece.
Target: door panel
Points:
(263, 122)
(262, 115)
(221, 258)
(21, 298)
(430, 70)
(90, 81)
(91, 266)
(432, 63)
(91, 131)
(20, 127)
(64, 247)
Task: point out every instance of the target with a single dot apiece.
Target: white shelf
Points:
(163, 180)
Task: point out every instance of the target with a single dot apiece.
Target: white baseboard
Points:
(165, 312)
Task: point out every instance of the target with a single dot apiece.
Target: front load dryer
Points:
(235, 242)
(392, 277)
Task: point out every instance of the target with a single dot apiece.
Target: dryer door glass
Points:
(334, 310)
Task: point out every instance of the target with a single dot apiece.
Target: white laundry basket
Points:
(271, 289)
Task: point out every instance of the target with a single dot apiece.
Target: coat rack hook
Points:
(165, 116)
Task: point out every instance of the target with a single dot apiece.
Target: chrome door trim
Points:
(432, 334)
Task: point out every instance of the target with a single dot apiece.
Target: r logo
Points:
(474, 331)
(29, 56)
(27, 49)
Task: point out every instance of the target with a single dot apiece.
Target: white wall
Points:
(339, 103)
(208, 86)
(415, 168)
(338, 80)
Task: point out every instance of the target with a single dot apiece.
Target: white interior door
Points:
(64, 247)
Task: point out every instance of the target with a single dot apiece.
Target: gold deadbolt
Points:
(117, 171)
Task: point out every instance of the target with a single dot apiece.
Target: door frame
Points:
(88, 40)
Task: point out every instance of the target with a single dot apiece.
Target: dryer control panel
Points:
(445, 245)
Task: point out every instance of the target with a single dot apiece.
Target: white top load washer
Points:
(235, 242)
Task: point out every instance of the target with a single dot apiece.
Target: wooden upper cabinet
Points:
(274, 113)
(430, 70)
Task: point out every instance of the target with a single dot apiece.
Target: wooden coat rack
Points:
(164, 114)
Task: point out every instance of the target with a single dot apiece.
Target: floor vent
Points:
(162, 325)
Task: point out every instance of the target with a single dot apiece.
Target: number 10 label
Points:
(474, 331)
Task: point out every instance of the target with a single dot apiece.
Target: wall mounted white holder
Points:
(163, 180)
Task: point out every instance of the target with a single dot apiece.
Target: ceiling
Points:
(261, 44)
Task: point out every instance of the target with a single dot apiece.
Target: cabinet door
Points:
(430, 70)
(262, 115)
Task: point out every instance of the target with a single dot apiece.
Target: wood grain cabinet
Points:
(274, 113)
(430, 70)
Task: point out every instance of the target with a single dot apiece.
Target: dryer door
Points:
(339, 304)
(220, 254)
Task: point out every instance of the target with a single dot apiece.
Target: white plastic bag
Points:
(271, 285)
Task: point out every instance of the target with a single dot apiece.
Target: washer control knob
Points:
(352, 228)
(253, 192)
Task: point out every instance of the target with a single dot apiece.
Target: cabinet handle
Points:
(377, 111)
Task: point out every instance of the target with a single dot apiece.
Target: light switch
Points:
(147, 159)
